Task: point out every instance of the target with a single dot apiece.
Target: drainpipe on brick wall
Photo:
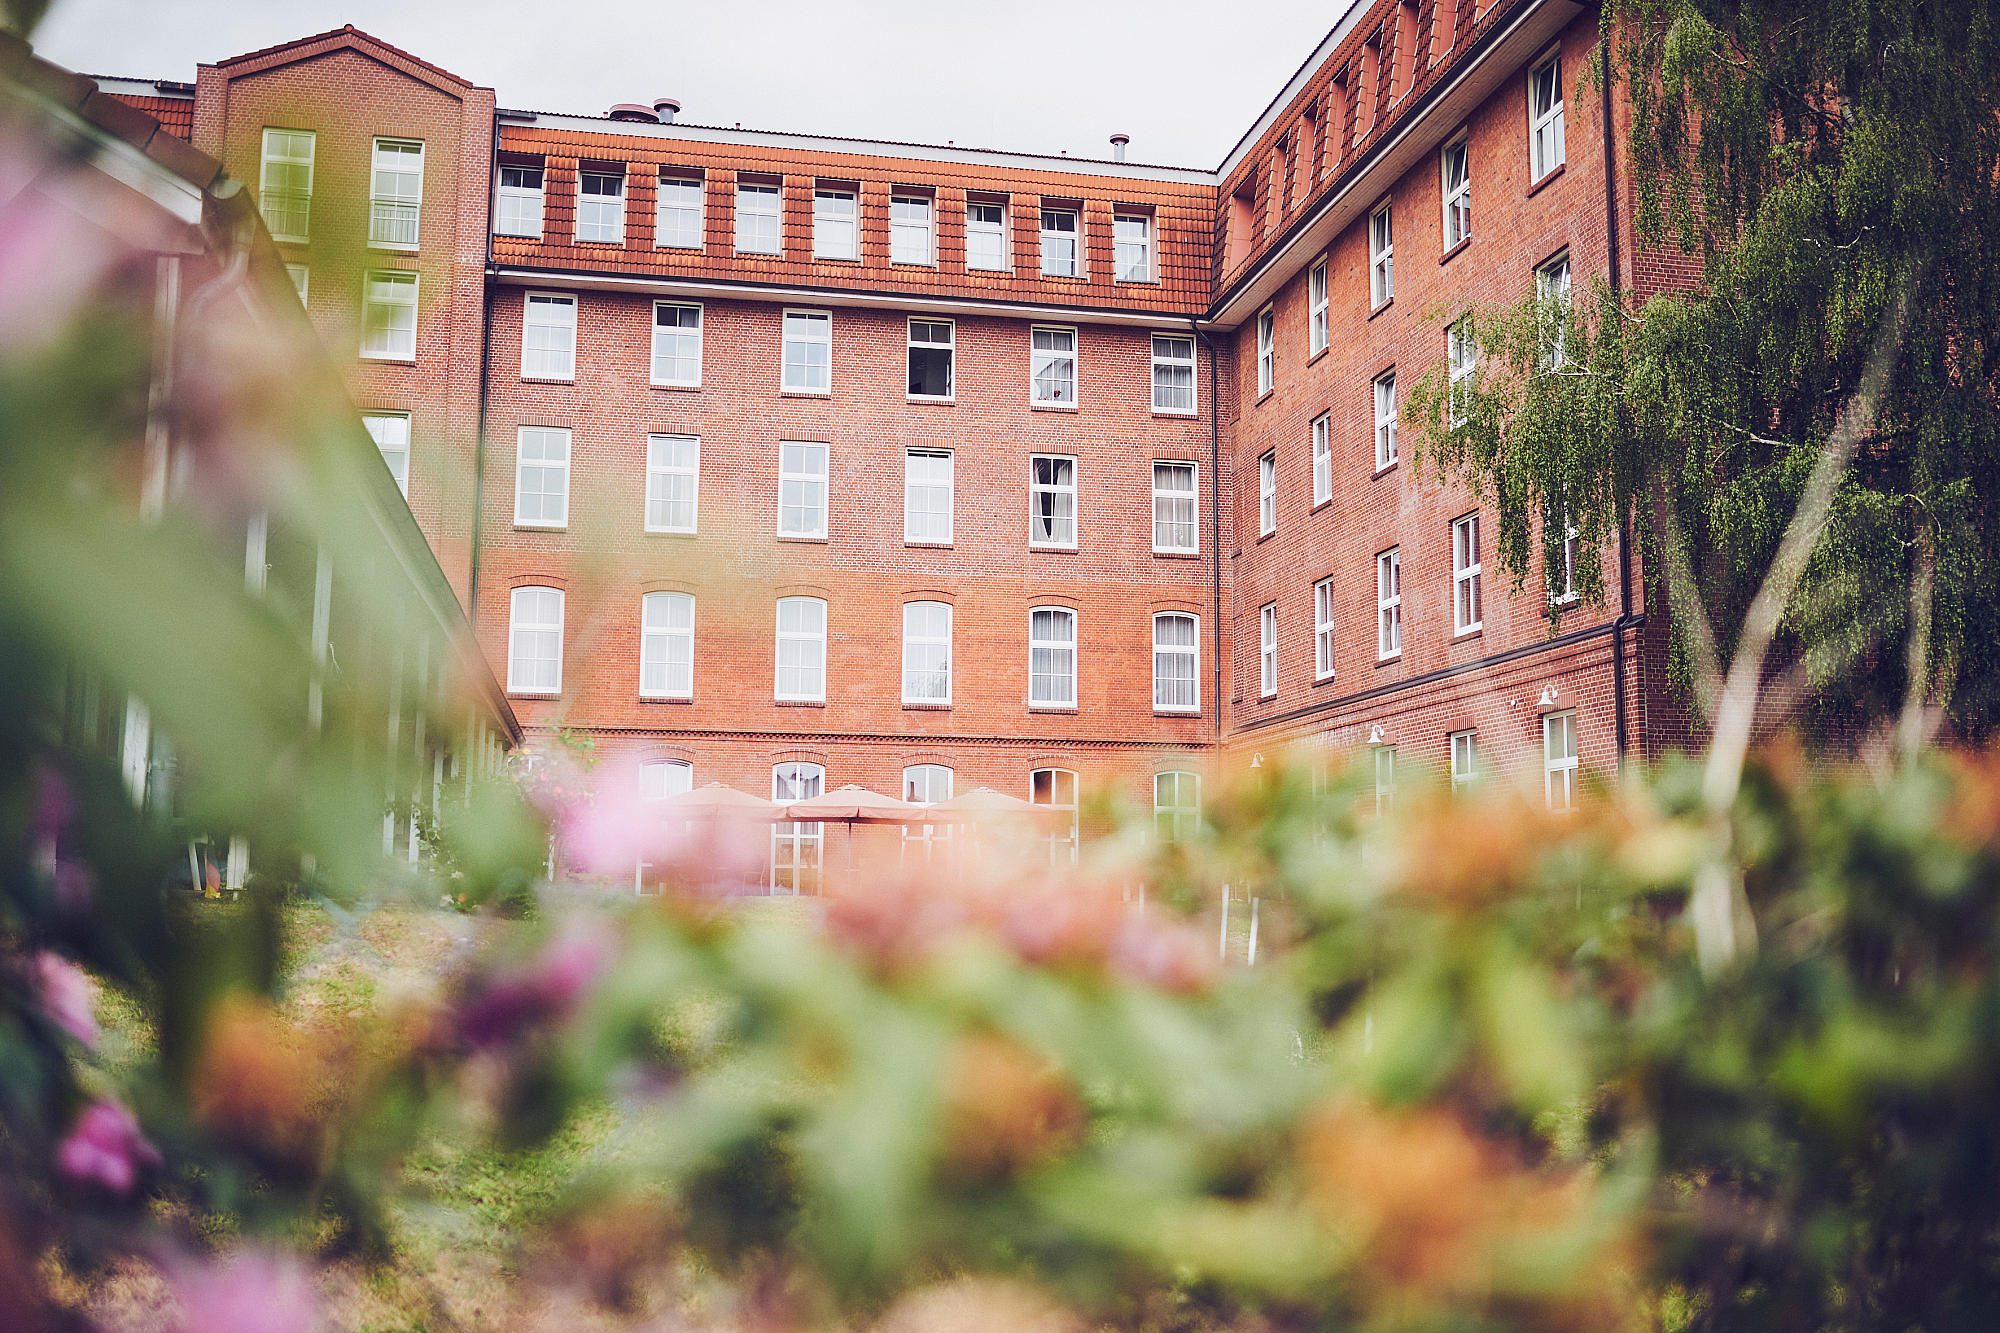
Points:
(1625, 618)
(1215, 531)
(485, 374)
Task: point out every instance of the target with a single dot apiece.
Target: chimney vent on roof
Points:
(629, 111)
(1118, 142)
(666, 108)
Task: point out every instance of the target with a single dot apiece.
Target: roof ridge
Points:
(349, 30)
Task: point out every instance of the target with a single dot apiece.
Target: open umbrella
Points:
(980, 801)
(715, 798)
(857, 805)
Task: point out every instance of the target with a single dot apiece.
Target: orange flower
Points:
(1005, 1108)
(1466, 853)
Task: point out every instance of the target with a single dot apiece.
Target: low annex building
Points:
(785, 460)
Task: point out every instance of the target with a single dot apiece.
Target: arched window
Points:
(926, 652)
(535, 641)
(666, 645)
(1052, 657)
(661, 778)
(1176, 663)
(1056, 789)
(796, 848)
(925, 783)
(801, 652)
(1176, 804)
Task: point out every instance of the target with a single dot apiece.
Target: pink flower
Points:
(255, 1291)
(68, 996)
(106, 1149)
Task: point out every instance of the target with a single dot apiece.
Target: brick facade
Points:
(1361, 124)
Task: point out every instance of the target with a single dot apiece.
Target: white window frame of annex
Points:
(916, 533)
(1055, 488)
(515, 628)
(378, 201)
(296, 200)
(820, 319)
(823, 478)
(1388, 418)
(563, 371)
(1326, 622)
(1322, 458)
(1191, 651)
(1464, 758)
(1267, 493)
(660, 471)
(1267, 351)
(520, 195)
(682, 331)
(1456, 200)
(1192, 496)
(522, 464)
(1548, 141)
(1468, 603)
(1381, 256)
(1175, 821)
(1190, 363)
(1062, 615)
(1267, 650)
(1319, 326)
(656, 640)
(1567, 765)
(398, 279)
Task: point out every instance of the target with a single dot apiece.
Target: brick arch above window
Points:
(538, 581)
(1163, 604)
(799, 756)
(668, 585)
(930, 595)
(1068, 601)
(820, 591)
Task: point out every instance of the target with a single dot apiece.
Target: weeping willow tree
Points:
(1835, 167)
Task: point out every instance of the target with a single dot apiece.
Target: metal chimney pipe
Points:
(1118, 142)
(666, 108)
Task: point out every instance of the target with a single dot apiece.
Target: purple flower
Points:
(255, 1291)
(68, 996)
(106, 1149)
(545, 989)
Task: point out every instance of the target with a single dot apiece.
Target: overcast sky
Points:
(1032, 75)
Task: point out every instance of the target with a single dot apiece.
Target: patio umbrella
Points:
(715, 798)
(978, 802)
(857, 805)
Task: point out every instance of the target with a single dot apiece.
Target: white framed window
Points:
(1323, 628)
(930, 358)
(1054, 789)
(1385, 779)
(535, 641)
(757, 231)
(1559, 759)
(677, 345)
(677, 219)
(927, 496)
(801, 655)
(541, 477)
(600, 208)
(301, 277)
(285, 183)
(1175, 527)
(1322, 458)
(1385, 420)
(396, 194)
(1267, 649)
(912, 229)
(807, 354)
(1176, 662)
(1051, 657)
(835, 233)
(518, 209)
(1052, 367)
(1464, 759)
(1173, 374)
(926, 784)
(1466, 609)
(1389, 603)
(927, 652)
(796, 848)
(1545, 117)
(1061, 230)
(673, 483)
(1132, 247)
(389, 316)
(1052, 501)
(1267, 494)
(548, 336)
(1455, 182)
(1176, 805)
(661, 778)
(1461, 352)
(802, 488)
(986, 236)
(391, 433)
(666, 645)
(1267, 351)
(1381, 257)
(1568, 586)
(1553, 294)
(1318, 326)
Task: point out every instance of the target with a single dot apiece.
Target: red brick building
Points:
(778, 459)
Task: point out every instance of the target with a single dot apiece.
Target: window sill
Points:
(1564, 603)
(802, 537)
(1318, 505)
(805, 393)
(1327, 679)
(759, 254)
(548, 379)
(1455, 251)
(676, 388)
(1057, 548)
(928, 546)
(534, 694)
(1137, 282)
(1158, 554)
(1052, 407)
(685, 534)
(507, 236)
(378, 360)
(1385, 469)
(913, 707)
(1262, 394)
(1062, 710)
(1312, 356)
(836, 259)
(946, 400)
(691, 249)
(913, 263)
(799, 703)
(1065, 277)
(1461, 636)
(1186, 713)
(1546, 180)
(618, 244)
(1177, 414)
(666, 698)
(1263, 537)
(384, 248)
(1380, 308)
(540, 527)
(1390, 660)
